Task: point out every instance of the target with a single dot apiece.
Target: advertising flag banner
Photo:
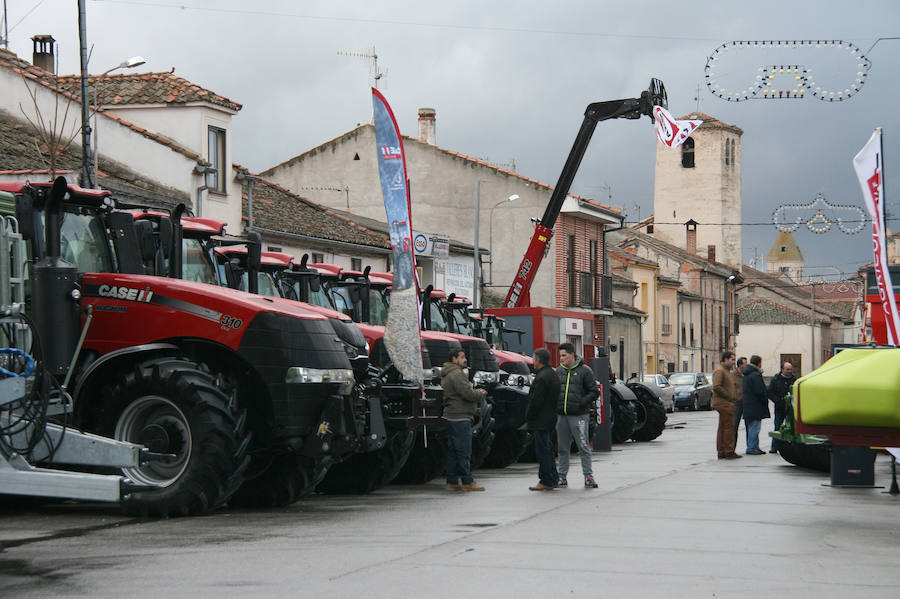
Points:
(670, 131)
(401, 335)
(869, 168)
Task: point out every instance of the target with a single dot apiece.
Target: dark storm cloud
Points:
(510, 81)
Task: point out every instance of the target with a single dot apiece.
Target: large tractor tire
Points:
(426, 461)
(804, 455)
(171, 406)
(366, 472)
(649, 412)
(276, 480)
(482, 435)
(623, 419)
(507, 447)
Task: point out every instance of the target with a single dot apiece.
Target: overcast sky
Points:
(510, 81)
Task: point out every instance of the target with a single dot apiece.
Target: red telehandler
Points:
(640, 414)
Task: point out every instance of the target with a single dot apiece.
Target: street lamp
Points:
(511, 198)
(134, 61)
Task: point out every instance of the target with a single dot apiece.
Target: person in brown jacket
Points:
(723, 402)
(737, 376)
(460, 407)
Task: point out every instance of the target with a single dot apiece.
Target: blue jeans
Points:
(459, 452)
(779, 419)
(543, 449)
(753, 427)
(567, 429)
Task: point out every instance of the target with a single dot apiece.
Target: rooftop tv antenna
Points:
(369, 55)
(4, 28)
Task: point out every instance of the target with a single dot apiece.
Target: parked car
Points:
(664, 390)
(692, 390)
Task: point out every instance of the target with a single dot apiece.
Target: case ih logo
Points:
(125, 293)
(390, 152)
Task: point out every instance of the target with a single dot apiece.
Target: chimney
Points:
(426, 126)
(691, 242)
(44, 55)
(711, 253)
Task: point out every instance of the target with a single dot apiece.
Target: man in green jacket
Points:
(460, 407)
(578, 392)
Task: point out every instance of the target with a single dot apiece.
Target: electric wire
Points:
(26, 419)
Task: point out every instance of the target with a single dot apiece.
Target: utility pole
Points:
(86, 174)
(4, 39)
(812, 327)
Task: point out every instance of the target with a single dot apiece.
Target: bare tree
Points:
(51, 139)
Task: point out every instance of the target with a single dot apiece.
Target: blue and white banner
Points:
(401, 335)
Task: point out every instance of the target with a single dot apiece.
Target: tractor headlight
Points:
(301, 375)
(518, 380)
(484, 377)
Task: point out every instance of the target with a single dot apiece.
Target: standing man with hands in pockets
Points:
(724, 398)
(578, 392)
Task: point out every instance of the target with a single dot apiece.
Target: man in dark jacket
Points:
(460, 407)
(779, 386)
(737, 375)
(541, 418)
(756, 403)
(578, 392)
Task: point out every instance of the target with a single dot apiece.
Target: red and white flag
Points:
(870, 172)
(670, 131)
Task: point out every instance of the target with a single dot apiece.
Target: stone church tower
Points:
(785, 257)
(701, 180)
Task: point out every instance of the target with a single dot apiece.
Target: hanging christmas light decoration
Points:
(786, 81)
(823, 217)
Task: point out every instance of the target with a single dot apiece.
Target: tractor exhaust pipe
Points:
(56, 291)
(175, 253)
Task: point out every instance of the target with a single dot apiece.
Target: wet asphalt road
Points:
(669, 520)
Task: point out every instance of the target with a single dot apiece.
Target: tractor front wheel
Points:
(171, 406)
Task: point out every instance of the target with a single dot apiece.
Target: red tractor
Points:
(238, 263)
(250, 401)
(508, 386)
(365, 296)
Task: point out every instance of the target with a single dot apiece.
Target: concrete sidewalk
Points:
(669, 520)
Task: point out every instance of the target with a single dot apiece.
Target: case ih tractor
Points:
(247, 400)
(238, 263)
(365, 296)
(508, 382)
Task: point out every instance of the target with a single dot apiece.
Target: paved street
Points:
(669, 520)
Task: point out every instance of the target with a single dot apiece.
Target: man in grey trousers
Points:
(578, 392)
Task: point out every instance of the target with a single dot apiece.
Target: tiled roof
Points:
(767, 311)
(408, 139)
(846, 309)
(144, 88)
(630, 235)
(278, 209)
(622, 255)
(623, 308)
(798, 294)
(39, 76)
(711, 122)
(19, 157)
(622, 281)
(775, 283)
